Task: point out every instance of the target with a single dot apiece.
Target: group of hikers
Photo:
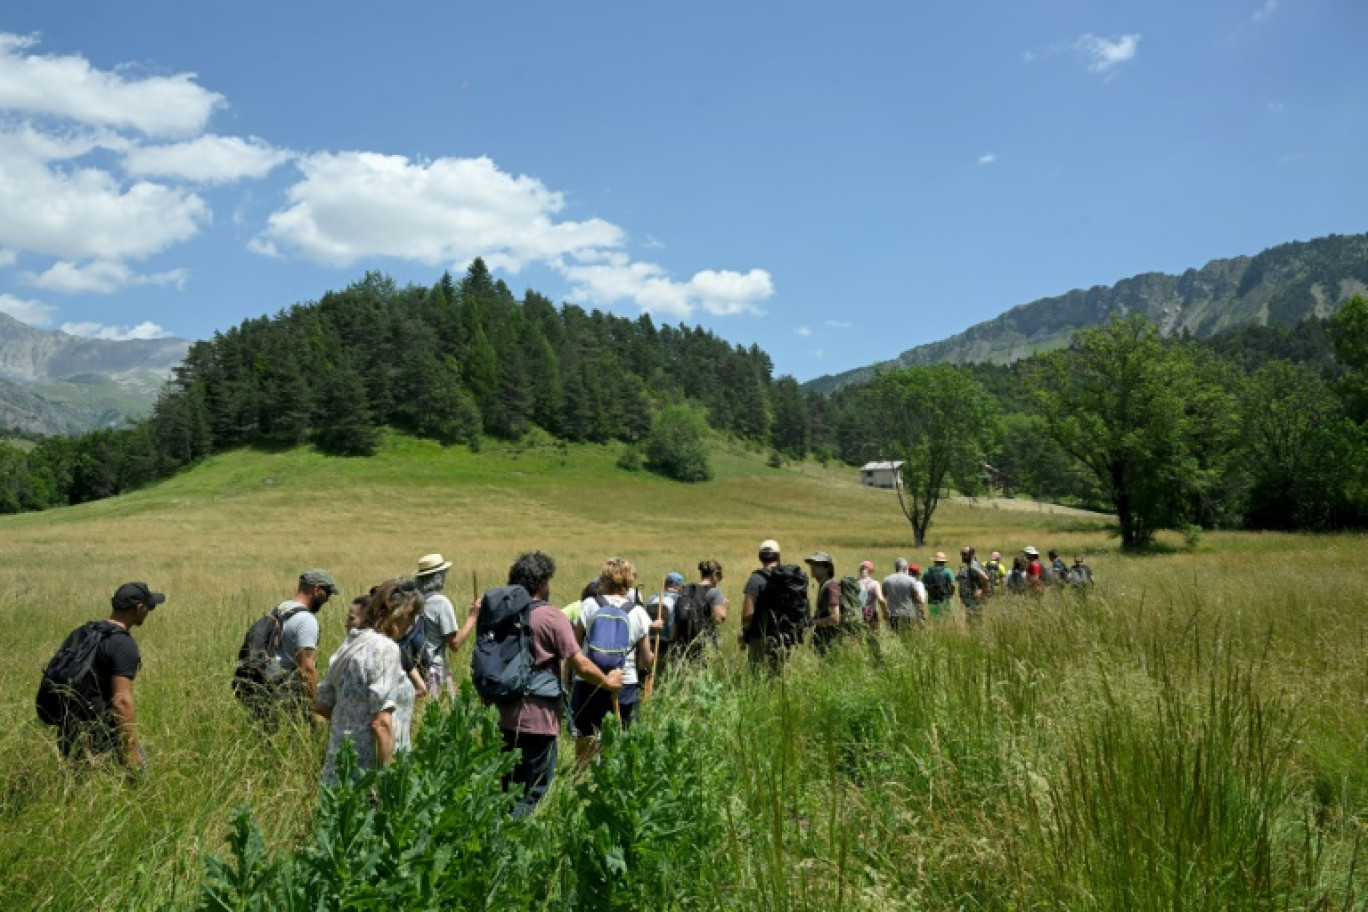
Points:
(538, 663)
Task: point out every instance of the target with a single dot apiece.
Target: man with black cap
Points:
(113, 730)
(299, 634)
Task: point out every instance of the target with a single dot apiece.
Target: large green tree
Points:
(940, 423)
(1137, 412)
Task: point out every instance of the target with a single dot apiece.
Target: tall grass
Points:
(1194, 734)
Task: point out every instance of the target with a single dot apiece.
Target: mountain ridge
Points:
(52, 382)
(1281, 285)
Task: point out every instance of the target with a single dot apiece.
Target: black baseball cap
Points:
(131, 595)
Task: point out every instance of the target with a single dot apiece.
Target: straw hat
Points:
(431, 563)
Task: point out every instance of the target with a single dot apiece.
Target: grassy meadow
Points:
(1192, 735)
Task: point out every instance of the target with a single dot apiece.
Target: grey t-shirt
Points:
(900, 590)
(439, 622)
(299, 632)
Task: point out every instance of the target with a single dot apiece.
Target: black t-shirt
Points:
(116, 656)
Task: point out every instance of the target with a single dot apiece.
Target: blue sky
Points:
(835, 182)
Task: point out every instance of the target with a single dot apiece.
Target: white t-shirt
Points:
(638, 626)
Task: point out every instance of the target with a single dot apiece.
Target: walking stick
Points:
(649, 687)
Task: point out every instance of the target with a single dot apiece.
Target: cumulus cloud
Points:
(1265, 12)
(69, 87)
(7, 257)
(209, 159)
(350, 206)
(353, 205)
(144, 330)
(85, 213)
(1103, 54)
(722, 293)
(101, 277)
(802, 331)
(987, 158)
(34, 313)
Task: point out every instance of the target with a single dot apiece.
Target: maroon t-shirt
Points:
(553, 641)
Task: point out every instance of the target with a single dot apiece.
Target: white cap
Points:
(770, 545)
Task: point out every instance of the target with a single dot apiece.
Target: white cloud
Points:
(85, 213)
(986, 158)
(723, 293)
(34, 313)
(802, 331)
(1103, 54)
(653, 244)
(355, 205)
(352, 205)
(838, 324)
(1275, 107)
(100, 276)
(7, 257)
(211, 159)
(1265, 12)
(144, 330)
(69, 87)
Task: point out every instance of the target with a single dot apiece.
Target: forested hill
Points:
(1282, 286)
(452, 362)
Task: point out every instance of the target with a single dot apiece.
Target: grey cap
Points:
(317, 576)
(819, 557)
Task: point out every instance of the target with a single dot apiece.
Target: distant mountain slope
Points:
(1282, 285)
(52, 382)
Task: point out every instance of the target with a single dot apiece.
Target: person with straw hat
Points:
(940, 587)
(439, 623)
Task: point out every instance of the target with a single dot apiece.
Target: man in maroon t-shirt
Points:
(532, 724)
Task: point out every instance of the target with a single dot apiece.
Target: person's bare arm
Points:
(308, 671)
(591, 673)
(834, 618)
(454, 641)
(644, 656)
(747, 611)
(126, 718)
(419, 686)
(324, 711)
(720, 612)
(382, 726)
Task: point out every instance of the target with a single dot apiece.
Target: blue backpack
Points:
(607, 641)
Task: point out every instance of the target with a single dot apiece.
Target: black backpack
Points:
(781, 608)
(501, 664)
(693, 615)
(939, 582)
(259, 674)
(69, 689)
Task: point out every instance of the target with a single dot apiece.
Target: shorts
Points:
(591, 704)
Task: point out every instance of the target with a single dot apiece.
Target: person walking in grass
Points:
(973, 584)
(699, 611)
(1059, 571)
(613, 633)
(906, 597)
(875, 604)
(1080, 574)
(531, 721)
(366, 696)
(826, 619)
(1017, 582)
(1035, 573)
(87, 688)
(443, 636)
(660, 609)
(997, 573)
(775, 612)
(940, 587)
(299, 641)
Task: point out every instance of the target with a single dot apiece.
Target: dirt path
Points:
(1023, 506)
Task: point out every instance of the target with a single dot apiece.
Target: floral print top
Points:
(365, 677)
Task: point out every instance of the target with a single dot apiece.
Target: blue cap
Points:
(674, 579)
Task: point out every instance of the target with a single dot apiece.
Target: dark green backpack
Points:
(852, 602)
